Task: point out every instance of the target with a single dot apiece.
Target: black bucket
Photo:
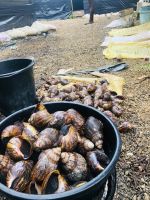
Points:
(94, 189)
(17, 87)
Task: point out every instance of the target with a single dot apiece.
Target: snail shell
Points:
(84, 145)
(47, 162)
(34, 188)
(117, 110)
(83, 93)
(98, 93)
(125, 127)
(107, 96)
(107, 105)
(78, 184)
(76, 119)
(11, 131)
(93, 162)
(54, 183)
(19, 148)
(69, 138)
(91, 87)
(40, 118)
(29, 133)
(88, 101)
(59, 118)
(74, 165)
(94, 131)
(18, 176)
(46, 140)
(5, 164)
(97, 160)
(111, 116)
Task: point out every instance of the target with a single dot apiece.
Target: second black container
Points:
(17, 88)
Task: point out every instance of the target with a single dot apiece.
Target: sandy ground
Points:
(77, 45)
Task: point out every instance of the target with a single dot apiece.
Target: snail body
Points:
(94, 131)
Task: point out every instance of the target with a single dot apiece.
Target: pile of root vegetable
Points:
(91, 94)
(52, 153)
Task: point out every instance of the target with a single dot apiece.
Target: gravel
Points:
(78, 45)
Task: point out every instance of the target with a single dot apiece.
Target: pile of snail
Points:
(91, 94)
(52, 153)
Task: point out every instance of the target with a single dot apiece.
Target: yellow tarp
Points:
(130, 31)
(128, 50)
(116, 83)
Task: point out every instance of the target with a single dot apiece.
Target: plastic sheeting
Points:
(130, 31)
(53, 9)
(107, 6)
(128, 50)
(16, 13)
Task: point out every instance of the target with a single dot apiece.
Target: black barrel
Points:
(17, 87)
(94, 189)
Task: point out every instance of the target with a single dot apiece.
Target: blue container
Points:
(145, 14)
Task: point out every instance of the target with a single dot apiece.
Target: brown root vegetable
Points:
(68, 138)
(74, 165)
(91, 87)
(54, 183)
(88, 101)
(94, 131)
(76, 119)
(84, 145)
(117, 110)
(33, 188)
(10, 131)
(59, 118)
(5, 164)
(19, 148)
(47, 138)
(47, 162)
(125, 127)
(18, 176)
(29, 133)
(40, 118)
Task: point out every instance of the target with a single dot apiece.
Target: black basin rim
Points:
(7, 75)
(81, 189)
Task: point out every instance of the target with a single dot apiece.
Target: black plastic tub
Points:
(17, 88)
(112, 147)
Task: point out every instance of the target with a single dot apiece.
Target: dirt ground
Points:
(78, 45)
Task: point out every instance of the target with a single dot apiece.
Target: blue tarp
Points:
(107, 6)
